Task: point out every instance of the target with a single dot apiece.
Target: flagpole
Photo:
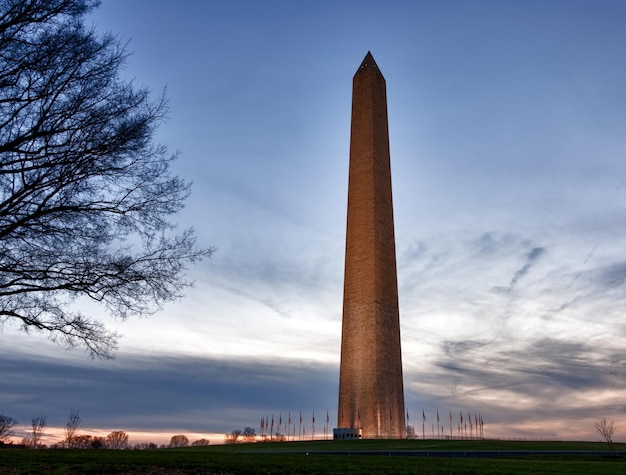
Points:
(327, 421)
(408, 422)
(461, 414)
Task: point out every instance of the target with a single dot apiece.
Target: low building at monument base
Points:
(347, 433)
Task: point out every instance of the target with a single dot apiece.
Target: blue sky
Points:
(508, 141)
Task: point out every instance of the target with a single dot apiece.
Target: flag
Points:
(313, 416)
(327, 418)
(423, 416)
(437, 416)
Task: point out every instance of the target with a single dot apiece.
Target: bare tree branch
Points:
(606, 428)
(38, 427)
(6, 426)
(71, 429)
(86, 197)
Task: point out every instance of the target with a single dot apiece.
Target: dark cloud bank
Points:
(554, 377)
(165, 392)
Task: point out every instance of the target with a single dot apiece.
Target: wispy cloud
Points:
(534, 254)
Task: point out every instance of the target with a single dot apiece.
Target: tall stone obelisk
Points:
(371, 394)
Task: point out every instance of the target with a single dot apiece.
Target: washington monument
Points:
(371, 394)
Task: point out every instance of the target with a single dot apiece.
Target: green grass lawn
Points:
(270, 458)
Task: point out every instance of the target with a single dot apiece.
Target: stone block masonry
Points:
(371, 394)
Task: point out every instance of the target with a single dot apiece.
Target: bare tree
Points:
(145, 446)
(84, 441)
(606, 428)
(117, 440)
(179, 441)
(85, 195)
(96, 442)
(38, 427)
(249, 434)
(200, 443)
(233, 437)
(71, 428)
(6, 427)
